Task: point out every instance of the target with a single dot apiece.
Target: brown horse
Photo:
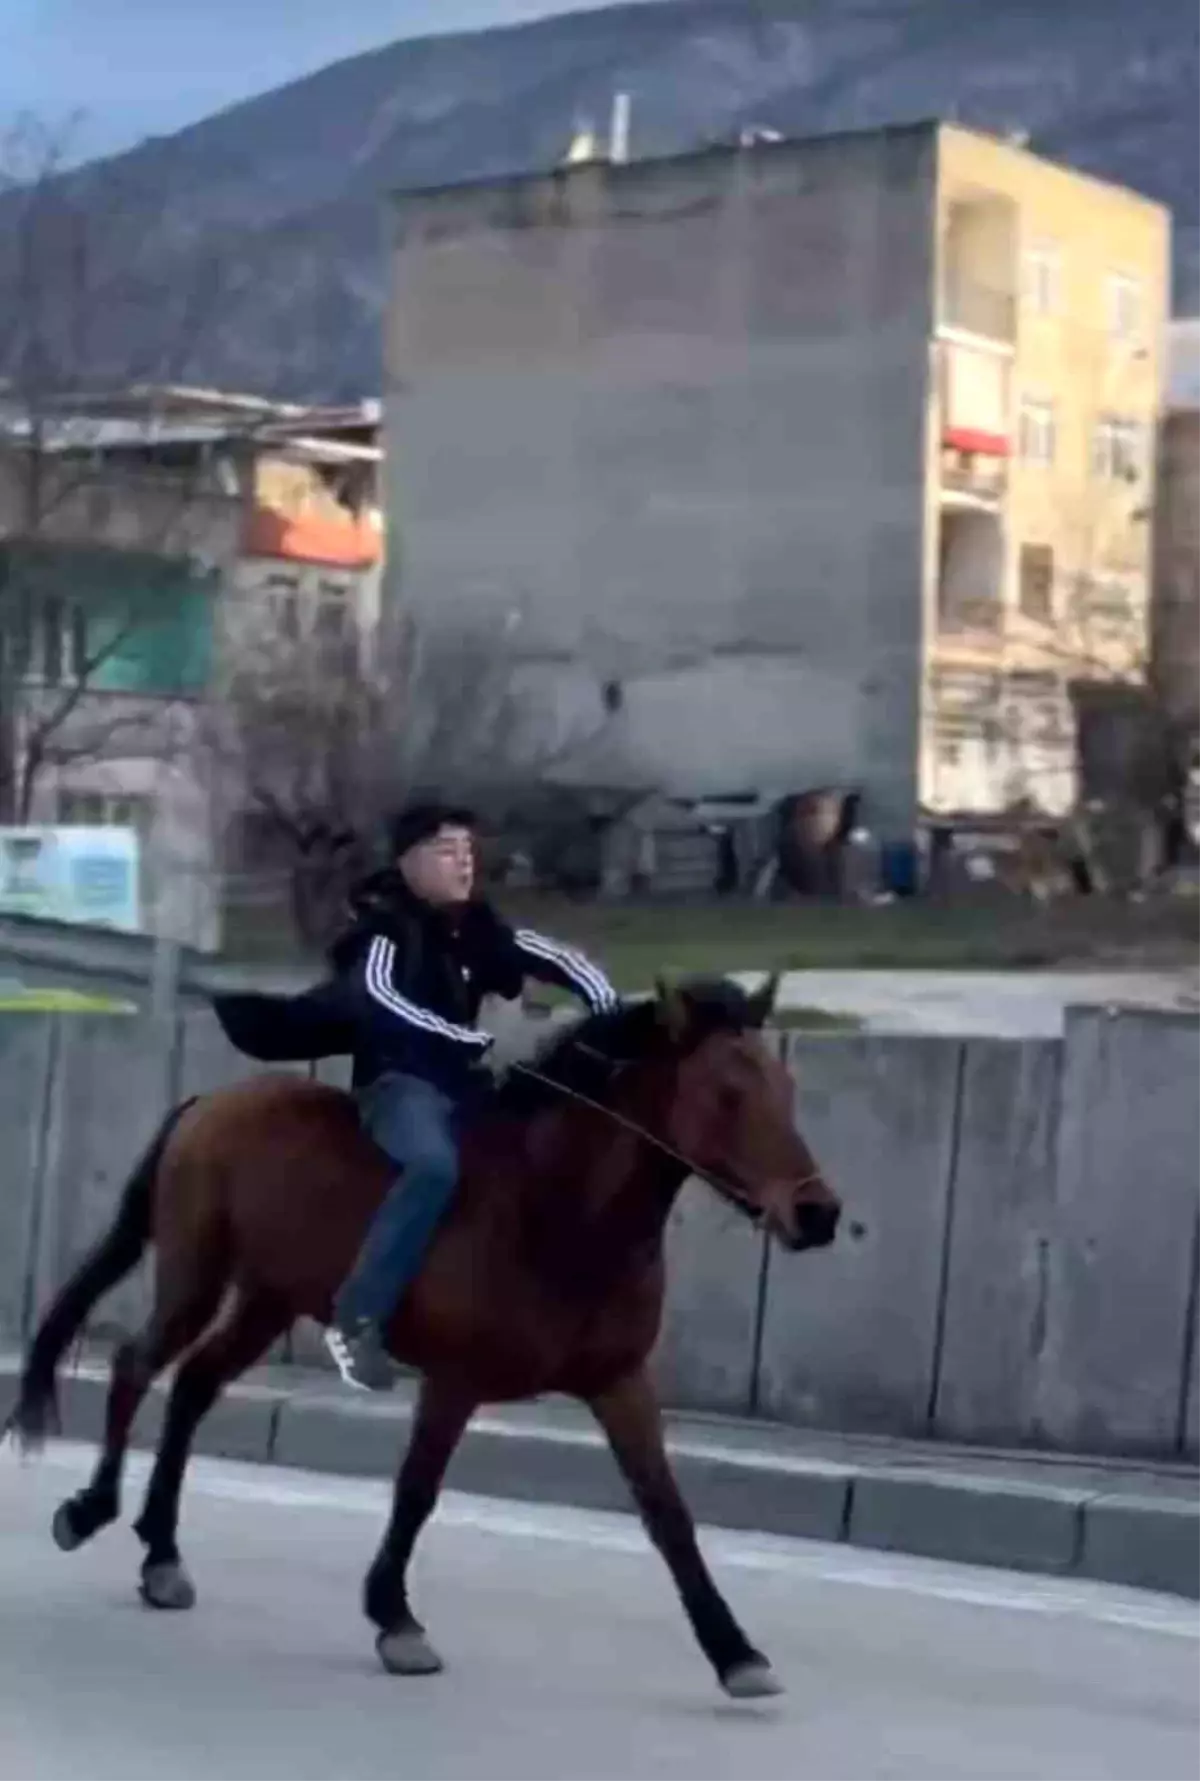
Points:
(547, 1276)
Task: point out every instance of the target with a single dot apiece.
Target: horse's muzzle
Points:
(814, 1225)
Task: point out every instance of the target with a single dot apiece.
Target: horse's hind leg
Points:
(178, 1318)
(246, 1330)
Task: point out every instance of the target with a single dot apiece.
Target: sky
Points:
(136, 68)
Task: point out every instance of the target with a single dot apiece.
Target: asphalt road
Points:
(567, 1657)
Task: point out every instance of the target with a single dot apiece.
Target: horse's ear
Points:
(672, 1011)
(762, 1002)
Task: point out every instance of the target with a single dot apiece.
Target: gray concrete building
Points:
(679, 425)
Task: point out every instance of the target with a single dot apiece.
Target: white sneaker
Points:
(360, 1357)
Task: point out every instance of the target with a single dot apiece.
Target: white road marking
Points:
(813, 1561)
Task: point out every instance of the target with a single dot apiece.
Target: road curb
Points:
(1107, 1525)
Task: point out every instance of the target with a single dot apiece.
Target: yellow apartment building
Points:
(1051, 313)
(810, 463)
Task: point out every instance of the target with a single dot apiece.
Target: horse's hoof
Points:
(407, 1652)
(28, 1439)
(752, 1681)
(29, 1426)
(63, 1529)
(167, 1586)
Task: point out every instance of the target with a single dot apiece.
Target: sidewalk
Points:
(1120, 1523)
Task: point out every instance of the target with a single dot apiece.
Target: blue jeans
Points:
(417, 1126)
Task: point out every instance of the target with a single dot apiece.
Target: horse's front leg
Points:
(442, 1414)
(630, 1417)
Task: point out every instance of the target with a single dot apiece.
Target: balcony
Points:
(974, 418)
(972, 478)
(973, 308)
(979, 255)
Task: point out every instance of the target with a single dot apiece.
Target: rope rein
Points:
(732, 1194)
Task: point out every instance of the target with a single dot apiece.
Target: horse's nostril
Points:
(817, 1223)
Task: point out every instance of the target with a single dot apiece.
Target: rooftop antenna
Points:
(618, 130)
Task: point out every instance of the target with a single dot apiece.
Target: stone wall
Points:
(1027, 1276)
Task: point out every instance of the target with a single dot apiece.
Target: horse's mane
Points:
(581, 1054)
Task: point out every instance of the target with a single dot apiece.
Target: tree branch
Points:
(87, 304)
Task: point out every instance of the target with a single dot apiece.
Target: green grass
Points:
(814, 1020)
(638, 942)
(15, 1000)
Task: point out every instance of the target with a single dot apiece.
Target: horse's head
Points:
(731, 1112)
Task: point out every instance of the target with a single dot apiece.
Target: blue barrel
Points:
(900, 868)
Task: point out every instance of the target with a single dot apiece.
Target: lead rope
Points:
(722, 1187)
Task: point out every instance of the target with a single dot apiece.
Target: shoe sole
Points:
(345, 1367)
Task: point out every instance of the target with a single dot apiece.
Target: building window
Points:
(1037, 431)
(283, 601)
(1117, 449)
(84, 810)
(1042, 278)
(1123, 306)
(971, 572)
(333, 611)
(1036, 581)
(59, 634)
(103, 810)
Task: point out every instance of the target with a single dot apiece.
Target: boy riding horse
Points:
(409, 975)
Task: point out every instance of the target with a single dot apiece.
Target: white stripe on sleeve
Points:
(381, 963)
(588, 979)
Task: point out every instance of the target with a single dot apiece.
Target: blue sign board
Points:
(89, 876)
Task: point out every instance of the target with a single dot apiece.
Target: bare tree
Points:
(90, 323)
(319, 736)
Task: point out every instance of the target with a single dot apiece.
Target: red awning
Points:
(990, 445)
(311, 538)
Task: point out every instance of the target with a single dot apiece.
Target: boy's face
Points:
(441, 870)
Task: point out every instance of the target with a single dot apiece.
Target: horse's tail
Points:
(116, 1254)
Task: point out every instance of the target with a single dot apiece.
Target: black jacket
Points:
(406, 989)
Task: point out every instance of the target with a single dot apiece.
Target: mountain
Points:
(287, 189)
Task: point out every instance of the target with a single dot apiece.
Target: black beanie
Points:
(420, 822)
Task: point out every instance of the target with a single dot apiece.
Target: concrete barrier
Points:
(1028, 1273)
(1121, 1292)
(27, 1058)
(207, 1061)
(114, 1082)
(705, 1358)
(333, 1070)
(1003, 1228)
(850, 1336)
